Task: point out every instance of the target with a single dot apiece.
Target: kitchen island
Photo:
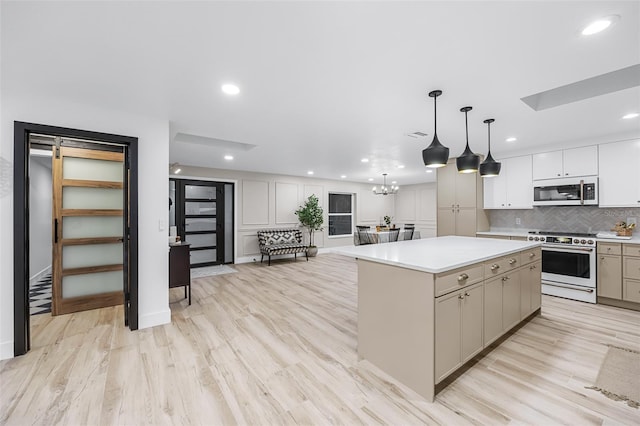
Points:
(426, 307)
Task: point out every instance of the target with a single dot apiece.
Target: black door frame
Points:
(22, 131)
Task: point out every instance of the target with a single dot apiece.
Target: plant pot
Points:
(312, 251)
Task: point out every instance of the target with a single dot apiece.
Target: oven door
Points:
(569, 265)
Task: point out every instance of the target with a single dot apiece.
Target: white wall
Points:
(153, 157)
(40, 203)
(418, 204)
(269, 200)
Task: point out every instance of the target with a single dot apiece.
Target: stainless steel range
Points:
(568, 264)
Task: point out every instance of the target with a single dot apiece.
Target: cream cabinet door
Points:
(492, 310)
(510, 300)
(472, 314)
(448, 326)
(530, 296)
(609, 276)
(465, 189)
(447, 186)
(466, 222)
(446, 221)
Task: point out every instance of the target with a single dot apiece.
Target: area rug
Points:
(619, 376)
(208, 271)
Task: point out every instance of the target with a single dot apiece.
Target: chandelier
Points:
(384, 189)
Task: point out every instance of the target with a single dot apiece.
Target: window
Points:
(340, 214)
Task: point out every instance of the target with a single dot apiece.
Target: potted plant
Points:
(387, 220)
(310, 216)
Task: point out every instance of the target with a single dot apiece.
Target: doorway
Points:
(202, 214)
(120, 155)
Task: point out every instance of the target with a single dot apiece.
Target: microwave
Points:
(575, 191)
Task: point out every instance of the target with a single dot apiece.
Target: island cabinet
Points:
(420, 321)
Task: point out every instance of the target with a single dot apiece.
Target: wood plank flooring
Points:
(277, 345)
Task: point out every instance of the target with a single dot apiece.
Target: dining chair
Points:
(408, 234)
(393, 234)
(363, 227)
(366, 237)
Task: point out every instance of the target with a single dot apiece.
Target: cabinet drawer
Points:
(531, 255)
(609, 248)
(631, 289)
(631, 249)
(631, 267)
(501, 265)
(446, 283)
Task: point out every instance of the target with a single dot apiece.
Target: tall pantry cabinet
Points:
(460, 202)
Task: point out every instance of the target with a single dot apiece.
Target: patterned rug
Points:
(619, 376)
(208, 271)
(40, 296)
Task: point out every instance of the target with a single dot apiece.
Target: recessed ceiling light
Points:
(429, 171)
(394, 182)
(310, 172)
(630, 115)
(512, 139)
(365, 160)
(400, 166)
(230, 89)
(178, 170)
(228, 157)
(343, 177)
(600, 25)
(370, 179)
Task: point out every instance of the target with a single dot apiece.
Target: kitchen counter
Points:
(427, 307)
(525, 233)
(435, 255)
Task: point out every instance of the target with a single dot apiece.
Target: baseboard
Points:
(6, 350)
(154, 319)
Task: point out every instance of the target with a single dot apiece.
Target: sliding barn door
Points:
(88, 210)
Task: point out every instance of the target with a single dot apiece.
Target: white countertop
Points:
(435, 255)
(524, 233)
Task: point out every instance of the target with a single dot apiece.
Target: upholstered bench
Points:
(281, 241)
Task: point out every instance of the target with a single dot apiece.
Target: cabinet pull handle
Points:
(601, 257)
(531, 255)
(466, 293)
(461, 296)
(512, 261)
(495, 266)
(505, 279)
(462, 277)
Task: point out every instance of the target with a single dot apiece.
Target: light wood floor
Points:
(277, 345)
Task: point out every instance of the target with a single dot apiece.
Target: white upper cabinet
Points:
(619, 180)
(568, 163)
(512, 188)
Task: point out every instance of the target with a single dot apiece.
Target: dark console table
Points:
(180, 268)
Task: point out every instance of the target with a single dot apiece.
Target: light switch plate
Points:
(162, 225)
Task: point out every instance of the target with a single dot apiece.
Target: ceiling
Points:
(325, 84)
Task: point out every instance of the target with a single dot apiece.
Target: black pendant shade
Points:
(489, 167)
(436, 154)
(468, 162)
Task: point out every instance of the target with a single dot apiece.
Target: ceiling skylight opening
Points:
(600, 25)
(230, 89)
(511, 139)
(630, 115)
(228, 157)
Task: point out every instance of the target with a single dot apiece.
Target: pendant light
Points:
(468, 162)
(384, 189)
(436, 154)
(489, 167)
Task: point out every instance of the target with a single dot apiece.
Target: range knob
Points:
(530, 238)
(542, 238)
(536, 238)
(576, 241)
(590, 242)
(583, 241)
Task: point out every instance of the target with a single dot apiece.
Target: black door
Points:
(200, 220)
